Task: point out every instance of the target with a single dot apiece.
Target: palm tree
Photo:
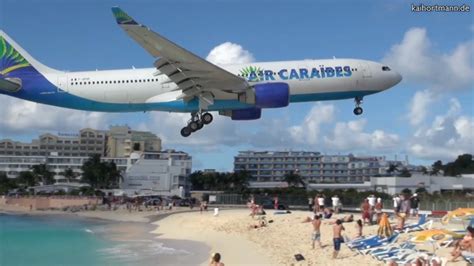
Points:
(392, 168)
(294, 179)
(69, 174)
(41, 171)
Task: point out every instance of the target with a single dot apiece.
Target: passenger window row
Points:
(75, 82)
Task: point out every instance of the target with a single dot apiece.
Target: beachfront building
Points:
(393, 185)
(117, 142)
(314, 167)
(122, 141)
(82, 144)
(14, 165)
(161, 173)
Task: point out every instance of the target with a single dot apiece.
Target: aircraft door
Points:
(365, 68)
(62, 83)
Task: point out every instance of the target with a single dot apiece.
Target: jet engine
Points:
(267, 95)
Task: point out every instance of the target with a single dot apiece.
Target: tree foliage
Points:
(462, 165)
(294, 180)
(6, 183)
(100, 175)
(69, 174)
(41, 172)
(235, 182)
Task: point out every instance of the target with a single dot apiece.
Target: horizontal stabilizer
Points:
(10, 84)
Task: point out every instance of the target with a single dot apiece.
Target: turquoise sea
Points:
(64, 240)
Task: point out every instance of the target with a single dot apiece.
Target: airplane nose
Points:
(397, 78)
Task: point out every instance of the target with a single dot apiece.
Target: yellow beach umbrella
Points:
(385, 230)
(458, 214)
(435, 235)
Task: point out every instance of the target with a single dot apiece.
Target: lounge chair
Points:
(377, 242)
(358, 241)
(422, 224)
(391, 250)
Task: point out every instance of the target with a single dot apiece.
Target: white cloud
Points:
(419, 106)
(350, 136)
(309, 131)
(416, 59)
(229, 53)
(24, 117)
(448, 136)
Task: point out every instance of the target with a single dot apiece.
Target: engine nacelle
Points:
(243, 114)
(272, 95)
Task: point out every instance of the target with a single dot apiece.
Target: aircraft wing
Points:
(193, 75)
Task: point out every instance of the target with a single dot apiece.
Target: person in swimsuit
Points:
(359, 227)
(316, 236)
(365, 208)
(337, 237)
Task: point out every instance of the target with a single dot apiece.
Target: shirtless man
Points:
(337, 237)
(365, 209)
(316, 236)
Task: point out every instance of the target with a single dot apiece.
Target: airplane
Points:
(181, 81)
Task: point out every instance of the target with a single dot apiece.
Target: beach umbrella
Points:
(462, 214)
(435, 237)
(385, 230)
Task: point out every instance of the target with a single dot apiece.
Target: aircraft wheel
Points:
(193, 126)
(207, 118)
(185, 132)
(200, 125)
(358, 110)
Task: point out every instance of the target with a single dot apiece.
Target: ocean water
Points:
(62, 240)
(51, 240)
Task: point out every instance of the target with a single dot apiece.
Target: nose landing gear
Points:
(358, 110)
(197, 122)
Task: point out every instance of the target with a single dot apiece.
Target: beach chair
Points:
(422, 224)
(390, 250)
(377, 243)
(358, 241)
(400, 255)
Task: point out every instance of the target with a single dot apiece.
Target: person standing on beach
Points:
(415, 204)
(405, 205)
(378, 210)
(315, 203)
(335, 203)
(396, 204)
(316, 236)
(310, 203)
(337, 237)
(365, 209)
(216, 260)
(321, 203)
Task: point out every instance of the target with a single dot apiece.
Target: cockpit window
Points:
(385, 68)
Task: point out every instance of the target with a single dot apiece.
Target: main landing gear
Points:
(197, 122)
(358, 110)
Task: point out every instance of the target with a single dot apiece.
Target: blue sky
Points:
(82, 35)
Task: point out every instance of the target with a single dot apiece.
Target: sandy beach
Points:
(229, 234)
(276, 244)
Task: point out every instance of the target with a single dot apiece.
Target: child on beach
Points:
(316, 236)
(337, 237)
(359, 227)
(216, 260)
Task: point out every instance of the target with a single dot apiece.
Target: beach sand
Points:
(230, 235)
(276, 244)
